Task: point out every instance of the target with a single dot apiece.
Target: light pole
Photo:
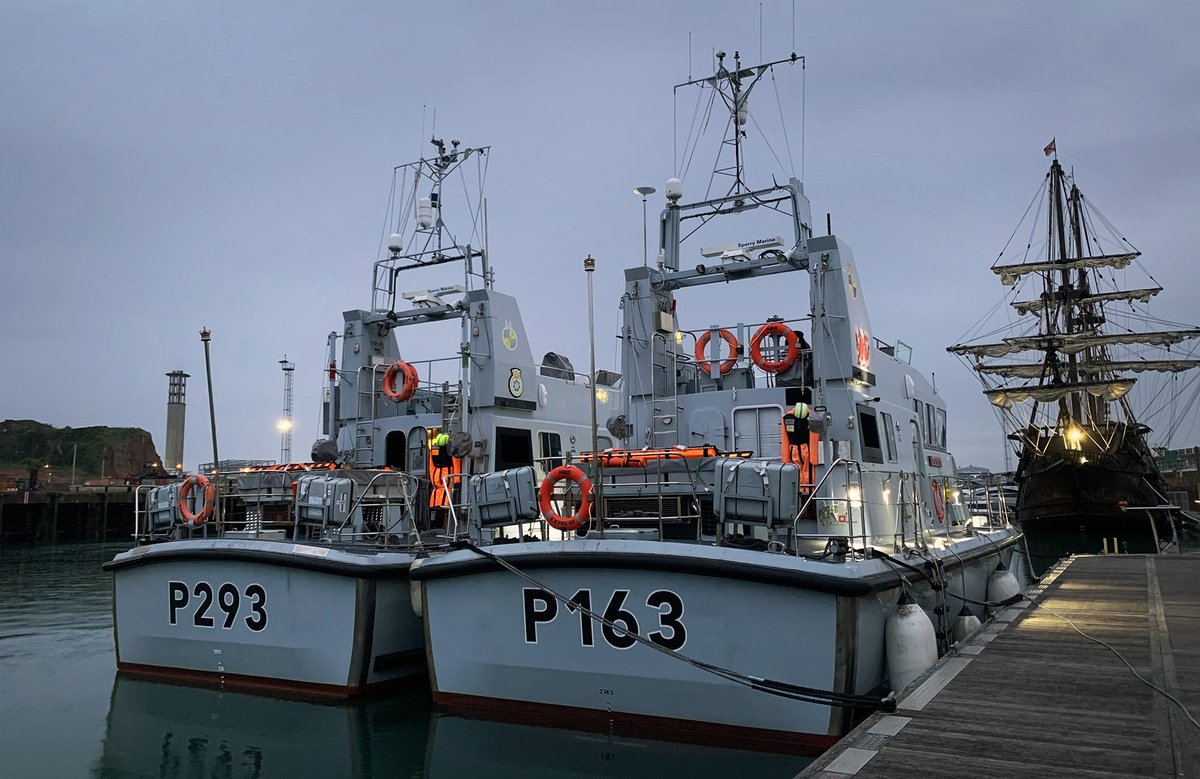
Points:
(589, 267)
(206, 337)
(644, 192)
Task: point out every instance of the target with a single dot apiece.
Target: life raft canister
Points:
(407, 389)
(939, 500)
(727, 364)
(790, 339)
(580, 517)
(210, 498)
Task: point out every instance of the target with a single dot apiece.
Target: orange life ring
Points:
(789, 336)
(939, 500)
(702, 343)
(407, 389)
(580, 517)
(210, 497)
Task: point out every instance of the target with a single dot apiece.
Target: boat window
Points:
(514, 448)
(868, 427)
(935, 426)
(549, 450)
(889, 435)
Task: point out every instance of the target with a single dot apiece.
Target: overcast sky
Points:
(169, 166)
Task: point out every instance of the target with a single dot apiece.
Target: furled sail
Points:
(1137, 366)
(1142, 295)
(1037, 370)
(1009, 274)
(1007, 397)
(1023, 371)
(1073, 343)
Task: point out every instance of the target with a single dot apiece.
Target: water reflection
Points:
(467, 747)
(161, 730)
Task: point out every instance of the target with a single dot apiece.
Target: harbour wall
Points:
(79, 514)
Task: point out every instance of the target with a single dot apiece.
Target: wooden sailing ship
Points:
(1064, 379)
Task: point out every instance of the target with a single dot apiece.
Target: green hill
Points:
(110, 451)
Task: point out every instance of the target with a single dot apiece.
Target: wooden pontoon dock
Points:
(1029, 696)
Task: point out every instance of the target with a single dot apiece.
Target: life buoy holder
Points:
(195, 520)
(407, 389)
(702, 344)
(580, 517)
(790, 339)
(939, 500)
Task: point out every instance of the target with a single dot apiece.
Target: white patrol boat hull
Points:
(502, 647)
(272, 615)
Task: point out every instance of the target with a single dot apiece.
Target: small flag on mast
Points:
(1050, 148)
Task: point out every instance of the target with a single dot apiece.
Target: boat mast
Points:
(1096, 407)
(1067, 290)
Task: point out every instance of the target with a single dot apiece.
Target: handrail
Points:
(666, 454)
(668, 346)
(816, 487)
(406, 500)
(453, 514)
(136, 513)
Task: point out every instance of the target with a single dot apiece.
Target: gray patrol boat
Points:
(295, 577)
(781, 542)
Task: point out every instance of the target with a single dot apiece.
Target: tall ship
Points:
(1077, 374)
(778, 510)
(294, 578)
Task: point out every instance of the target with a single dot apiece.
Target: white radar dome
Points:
(424, 212)
(396, 242)
(674, 189)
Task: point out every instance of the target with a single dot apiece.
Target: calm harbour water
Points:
(64, 712)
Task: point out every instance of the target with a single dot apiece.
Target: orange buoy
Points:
(790, 338)
(702, 344)
(407, 389)
(580, 517)
(210, 498)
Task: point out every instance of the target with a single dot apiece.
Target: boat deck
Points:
(1028, 695)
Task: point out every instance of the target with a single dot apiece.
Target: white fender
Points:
(1001, 586)
(910, 643)
(965, 624)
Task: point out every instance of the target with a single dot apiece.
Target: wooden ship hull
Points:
(1077, 500)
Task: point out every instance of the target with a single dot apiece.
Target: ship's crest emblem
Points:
(862, 348)
(516, 384)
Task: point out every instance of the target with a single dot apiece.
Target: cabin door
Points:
(758, 429)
